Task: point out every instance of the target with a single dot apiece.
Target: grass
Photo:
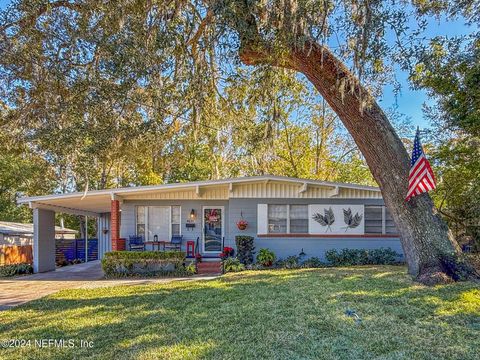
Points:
(278, 314)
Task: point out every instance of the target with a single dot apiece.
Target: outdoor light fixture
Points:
(192, 214)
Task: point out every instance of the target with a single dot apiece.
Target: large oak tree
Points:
(145, 57)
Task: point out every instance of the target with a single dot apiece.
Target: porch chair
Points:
(136, 243)
(175, 243)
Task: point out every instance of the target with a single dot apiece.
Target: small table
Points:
(160, 244)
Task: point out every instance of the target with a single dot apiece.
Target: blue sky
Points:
(409, 102)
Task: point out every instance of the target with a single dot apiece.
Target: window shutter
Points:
(262, 219)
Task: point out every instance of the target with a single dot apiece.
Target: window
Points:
(298, 219)
(277, 218)
(175, 220)
(283, 219)
(141, 220)
(163, 221)
(378, 220)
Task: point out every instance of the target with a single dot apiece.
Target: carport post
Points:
(43, 240)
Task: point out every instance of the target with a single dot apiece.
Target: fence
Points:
(71, 249)
(65, 249)
(15, 254)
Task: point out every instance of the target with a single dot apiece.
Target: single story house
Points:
(21, 234)
(286, 215)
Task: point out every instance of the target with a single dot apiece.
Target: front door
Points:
(213, 228)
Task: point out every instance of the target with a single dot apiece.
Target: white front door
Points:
(159, 223)
(213, 228)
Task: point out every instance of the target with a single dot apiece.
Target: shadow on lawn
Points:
(218, 317)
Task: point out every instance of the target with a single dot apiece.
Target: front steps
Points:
(209, 267)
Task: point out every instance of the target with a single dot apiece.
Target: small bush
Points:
(457, 267)
(313, 262)
(245, 249)
(233, 264)
(347, 257)
(265, 257)
(146, 263)
(191, 269)
(15, 269)
(291, 262)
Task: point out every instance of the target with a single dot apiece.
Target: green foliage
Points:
(457, 267)
(449, 69)
(266, 257)
(161, 255)
(313, 262)
(191, 268)
(15, 269)
(233, 264)
(245, 249)
(146, 263)
(348, 257)
(21, 172)
(291, 262)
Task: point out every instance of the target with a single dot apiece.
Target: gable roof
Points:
(97, 201)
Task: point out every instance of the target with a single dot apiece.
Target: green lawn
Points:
(281, 314)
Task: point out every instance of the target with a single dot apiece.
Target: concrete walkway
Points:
(22, 289)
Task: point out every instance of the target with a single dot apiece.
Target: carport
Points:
(101, 206)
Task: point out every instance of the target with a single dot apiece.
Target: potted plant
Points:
(266, 257)
(242, 224)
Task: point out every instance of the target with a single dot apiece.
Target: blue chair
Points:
(136, 243)
(175, 243)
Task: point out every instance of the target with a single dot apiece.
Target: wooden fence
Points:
(15, 254)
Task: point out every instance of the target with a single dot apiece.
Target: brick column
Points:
(117, 243)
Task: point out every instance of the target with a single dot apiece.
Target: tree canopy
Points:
(117, 93)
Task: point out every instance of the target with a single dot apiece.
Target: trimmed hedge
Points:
(347, 257)
(144, 263)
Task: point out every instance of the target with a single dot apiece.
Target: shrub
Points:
(313, 262)
(15, 269)
(347, 257)
(233, 264)
(291, 262)
(245, 249)
(457, 267)
(146, 263)
(227, 252)
(191, 269)
(383, 256)
(265, 257)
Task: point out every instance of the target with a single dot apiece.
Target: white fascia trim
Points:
(62, 209)
(197, 185)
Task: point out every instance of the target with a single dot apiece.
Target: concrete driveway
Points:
(19, 290)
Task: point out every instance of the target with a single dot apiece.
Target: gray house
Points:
(283, 214)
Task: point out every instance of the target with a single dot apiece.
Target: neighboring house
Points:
(13, 233)
(284, 214)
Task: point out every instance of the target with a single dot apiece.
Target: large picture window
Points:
(163, 221)
(284, 219)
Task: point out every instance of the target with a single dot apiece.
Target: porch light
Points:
(192, 214)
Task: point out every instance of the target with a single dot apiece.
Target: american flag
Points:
(421, 178)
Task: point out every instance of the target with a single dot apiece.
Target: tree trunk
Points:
(425, 237)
